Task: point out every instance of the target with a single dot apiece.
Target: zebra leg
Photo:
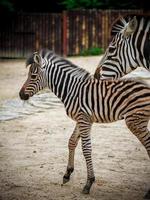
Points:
(147, 196)
(85, 128)
(73, 141)
(138, 126)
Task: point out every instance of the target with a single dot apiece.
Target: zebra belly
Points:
(104, 117)
(101, 116)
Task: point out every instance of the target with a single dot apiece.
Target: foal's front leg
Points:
(73, 141)
(85, 128)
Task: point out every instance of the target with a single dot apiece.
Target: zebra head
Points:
(35, 81)
(119, 58)
(122, 38)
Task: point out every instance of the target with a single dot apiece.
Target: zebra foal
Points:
(129, 48)
(87, 101)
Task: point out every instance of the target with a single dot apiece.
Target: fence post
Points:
(64, 30)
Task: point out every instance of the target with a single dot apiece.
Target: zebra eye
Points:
(111, 49)
(33, 76)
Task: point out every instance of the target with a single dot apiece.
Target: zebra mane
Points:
(47, 54)
(119, 25)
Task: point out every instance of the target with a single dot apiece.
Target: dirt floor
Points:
(33, 151)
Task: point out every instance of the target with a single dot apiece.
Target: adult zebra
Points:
(129, 48)
(88, 100)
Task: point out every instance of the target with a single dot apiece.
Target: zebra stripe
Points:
(128, 49)
(88, 100)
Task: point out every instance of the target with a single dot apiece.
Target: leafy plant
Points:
(102, 4)
(6, 6)
(75, 4)
(92, 51)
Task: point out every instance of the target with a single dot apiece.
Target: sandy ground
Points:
(33, 152)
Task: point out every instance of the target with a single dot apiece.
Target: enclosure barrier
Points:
(67, 33)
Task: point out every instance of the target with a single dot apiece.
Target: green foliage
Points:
(100, 4)
(92, 51)
(6, 6)
(75, 4)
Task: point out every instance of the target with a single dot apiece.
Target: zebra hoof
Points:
(66, 179)
(86, 190)
(147, 196)
(87, 187)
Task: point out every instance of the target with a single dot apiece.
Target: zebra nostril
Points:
(23, 96)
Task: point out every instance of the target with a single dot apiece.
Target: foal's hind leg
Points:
(73, 142)
(137, 124)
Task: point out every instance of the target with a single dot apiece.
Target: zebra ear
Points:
(37, 58)
(131, 26)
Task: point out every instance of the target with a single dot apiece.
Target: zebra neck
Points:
(64, 80)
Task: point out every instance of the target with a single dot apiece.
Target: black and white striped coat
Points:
(87, 101)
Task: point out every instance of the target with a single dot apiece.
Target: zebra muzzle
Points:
(23, 96)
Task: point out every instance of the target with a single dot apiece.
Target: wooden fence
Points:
(67, 33)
